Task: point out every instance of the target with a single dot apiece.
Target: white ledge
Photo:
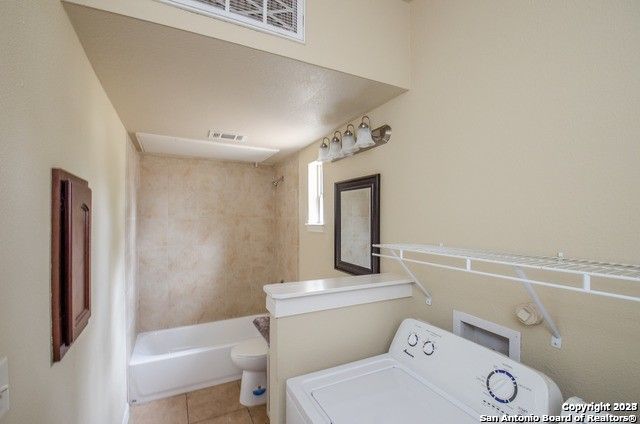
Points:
(330, 293)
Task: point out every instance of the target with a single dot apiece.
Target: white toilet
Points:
(251, 357)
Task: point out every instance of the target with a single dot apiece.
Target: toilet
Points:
(251, 357)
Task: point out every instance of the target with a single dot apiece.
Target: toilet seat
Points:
(251, 348)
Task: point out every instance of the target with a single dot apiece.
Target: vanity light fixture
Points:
(323, 152)
(335, 148)
(349, 142)
(343, 146)
(363, 135)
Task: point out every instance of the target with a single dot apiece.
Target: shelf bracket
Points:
(556, 339)
(415, 279)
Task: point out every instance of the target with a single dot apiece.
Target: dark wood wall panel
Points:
(70, 259)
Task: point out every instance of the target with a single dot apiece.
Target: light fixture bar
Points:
(380, 135)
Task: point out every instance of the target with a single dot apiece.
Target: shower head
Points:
(277, 182)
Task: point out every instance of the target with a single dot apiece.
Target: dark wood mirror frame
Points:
(372, 182)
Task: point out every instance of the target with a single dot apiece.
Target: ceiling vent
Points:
(225, 136)
(280, 17)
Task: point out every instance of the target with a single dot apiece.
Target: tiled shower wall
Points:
(286, 230)
(207, 240)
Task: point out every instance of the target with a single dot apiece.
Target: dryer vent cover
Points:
(280, 17)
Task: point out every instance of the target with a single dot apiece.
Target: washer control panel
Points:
(423, 342)
(487, 381)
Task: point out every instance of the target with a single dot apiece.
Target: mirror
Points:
(357, 225)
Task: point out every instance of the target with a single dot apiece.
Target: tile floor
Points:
(214, 405)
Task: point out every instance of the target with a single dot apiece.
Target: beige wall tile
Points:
(286, 224)
(210, 235)
(152, 233)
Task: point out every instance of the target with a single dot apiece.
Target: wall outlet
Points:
(4, 386)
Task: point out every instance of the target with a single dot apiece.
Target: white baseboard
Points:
(125, 417)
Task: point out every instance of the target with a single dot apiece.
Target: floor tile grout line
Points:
(213, 417)
(224, 415)
(186, 407)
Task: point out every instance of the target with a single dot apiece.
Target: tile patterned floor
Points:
(214, 405)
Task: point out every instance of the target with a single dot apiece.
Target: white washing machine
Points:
(428, 376)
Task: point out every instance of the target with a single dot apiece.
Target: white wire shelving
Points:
(585, 269)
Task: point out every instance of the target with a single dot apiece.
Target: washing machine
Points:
(429, 375)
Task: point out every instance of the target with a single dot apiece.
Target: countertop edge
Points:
(392, 280)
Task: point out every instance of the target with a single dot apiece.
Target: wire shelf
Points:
(585, 268)
(555, 264)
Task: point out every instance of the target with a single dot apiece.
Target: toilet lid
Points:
(251, 347)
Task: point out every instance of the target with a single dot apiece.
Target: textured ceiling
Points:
(166, 81)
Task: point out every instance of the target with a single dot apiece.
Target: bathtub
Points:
(179, 360)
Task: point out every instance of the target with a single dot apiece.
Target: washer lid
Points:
(389, 395)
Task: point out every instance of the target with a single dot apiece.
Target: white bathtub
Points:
(178, 360)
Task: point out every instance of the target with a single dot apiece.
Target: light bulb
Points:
(335, 148)
(363, 135)
(349, 142)
(323, 151)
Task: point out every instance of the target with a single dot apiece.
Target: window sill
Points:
(315, 228)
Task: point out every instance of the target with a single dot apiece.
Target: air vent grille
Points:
(280, 17)
(248, 8)
(226, 136)
(283, 13)
(216, 3)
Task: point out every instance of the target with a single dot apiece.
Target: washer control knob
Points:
(413, 339)
(428, 348)
(502, 386)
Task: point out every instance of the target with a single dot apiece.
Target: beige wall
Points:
(520, 134)
(207, 239)
(54, 113)
(132, 182)
(348, 36)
